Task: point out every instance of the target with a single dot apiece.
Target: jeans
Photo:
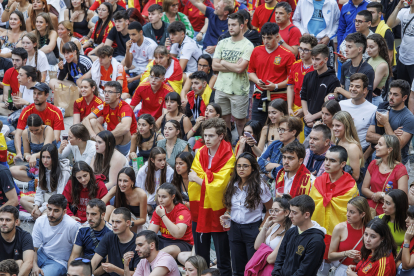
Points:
(12, 148)
(307, 131)
(95, 19)
(257, 114)
(49, 266)
(199, 43)
(377, 100)
(5, 122)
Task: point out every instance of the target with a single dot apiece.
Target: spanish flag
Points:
(205, 99)
(301, 183)
(331, 200)
(175, 80)
(206, 201)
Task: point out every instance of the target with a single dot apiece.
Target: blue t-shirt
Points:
(317, 23)
(84, 239)
(216, 28)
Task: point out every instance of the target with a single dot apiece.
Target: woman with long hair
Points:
(173, 144)
(65, 34)
(39, 6)
(244, 199)
(182, 168)
(90, 100)
(82, 187)
(152, 174)
(377, 252)
(248, 142)
(47, 37)
(347, 236)
(129, 196)
(174, 220)
(11, 38)
(145, 139)
(171, 14)
(194, 265)
(395, 212)
(275, 110)
(107, 160)
(273, 231)
(135, 15)
(387, 168)
(22, 6)
(380, 61)
(102, 27)
(346, 136)
(34, 137)
(36, 58)
(405, 260)
(80, 15)
(174, 112)
(78, 144)
(329, 109)
(53, 176)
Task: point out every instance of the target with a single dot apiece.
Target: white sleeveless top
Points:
(59, 41)
(274, 243)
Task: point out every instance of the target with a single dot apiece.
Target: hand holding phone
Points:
(339, 55)
(248, 135)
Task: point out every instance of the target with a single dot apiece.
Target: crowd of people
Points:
(276, 133)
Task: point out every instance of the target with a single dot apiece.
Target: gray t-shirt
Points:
(403, 118)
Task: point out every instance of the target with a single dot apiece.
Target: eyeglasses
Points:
(154, 78)
(274, 211)
(109, 92)
(282, 130)
(306, 51)
(174, 5)
(359, 21)
(243, 166)
(86, 261)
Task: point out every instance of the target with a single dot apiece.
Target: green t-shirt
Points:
(229, 82)
(398, 236)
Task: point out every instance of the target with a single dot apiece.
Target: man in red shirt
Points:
(268, 69)
(117, 114)
(152, 93)
(50, 114)
(266, 12)
(289, 33)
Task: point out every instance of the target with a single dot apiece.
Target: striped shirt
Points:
(75, 71)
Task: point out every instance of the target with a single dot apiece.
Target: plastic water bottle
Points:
(389, 186)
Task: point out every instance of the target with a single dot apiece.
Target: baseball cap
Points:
(41, 87)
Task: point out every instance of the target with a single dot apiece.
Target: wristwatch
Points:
(276, 87)
(406, 245)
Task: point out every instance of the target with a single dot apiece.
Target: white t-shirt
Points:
(87, 155)
(42, 63)
(27, 94)
(362, 115)
(187, 50)
(407, 41)
(56, 241)
(142, 54)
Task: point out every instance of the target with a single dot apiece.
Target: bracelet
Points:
(344, 253)
(162, 216)
(193, 130)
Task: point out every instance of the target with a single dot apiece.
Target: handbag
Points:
(332, 270)
(374, 210)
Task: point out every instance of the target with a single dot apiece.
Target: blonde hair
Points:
(34, 39)
(351, 135)
(395, 155)
(362, 206)
(68, 25)
(198, 262)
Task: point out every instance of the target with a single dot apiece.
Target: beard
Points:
(6, 230)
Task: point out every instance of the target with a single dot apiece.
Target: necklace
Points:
(307, 70)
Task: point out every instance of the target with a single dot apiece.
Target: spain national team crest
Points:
(367, 268)
(48, 122)
(160, 100)
(277, 60)
(180, 217)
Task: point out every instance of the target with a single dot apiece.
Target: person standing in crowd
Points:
(15, 243)
(316, 85)
(208, 181)
(158, 29)
(319, 144)
(289, 33)
(347, 236)
(297, 72)
(53, 238)
(306, 237)
(294, 177)
(398, 117)
(331, 191)
(231, 59)
(266, 12)
(244, 198)
(269, 80)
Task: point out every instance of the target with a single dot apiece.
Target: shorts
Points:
(124, 149)
(235, 105)
(164, 242)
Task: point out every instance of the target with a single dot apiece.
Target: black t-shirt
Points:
(119, 8)
(5, 65)
(159, 33)
(348, 70)
(6, 183)
(389, 37)
(14, 250)
(111, 246)
(120, 41)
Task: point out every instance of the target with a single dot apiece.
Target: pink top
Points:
(378, 179)
(162, 259)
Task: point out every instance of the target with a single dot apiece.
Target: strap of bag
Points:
(405, 28)
(385, 183)
(94, 239)
(270, 17)
(352, 249)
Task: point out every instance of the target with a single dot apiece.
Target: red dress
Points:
(354, 236)
(378, 179)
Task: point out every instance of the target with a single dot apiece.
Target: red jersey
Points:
(274, 67)
(195, 16)
(262, 15)
(179, 214)
(383, 267)
(291, 35)
(10, 79)
(51, 116)
(106, 75)
(152, 103)
(114, 116)
(81, 107)
(296, 75)
(97, 3)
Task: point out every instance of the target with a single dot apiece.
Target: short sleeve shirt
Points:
(187, 50)
(229, 82)
(407, 39)
(84, 239)
(216, 28)
(291, 35)
(163, 259)
(296, 75)
(42, 62)
(10, 79)
(348, 70)
(120, 41)
(5, 64)
(106, 75)
(261, 16)
(51, 116)
(195, 16)
(83, 109)
(14, 250)
(114, 116)
(143, 54)
(6, 183)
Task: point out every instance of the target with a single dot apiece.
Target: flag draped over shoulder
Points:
(331, 200)
(175, 80)
(205, 99)
(206, 201)
(301, 183)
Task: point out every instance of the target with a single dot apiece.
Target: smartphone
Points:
(339, 55)
(247, 134)
(262, 82)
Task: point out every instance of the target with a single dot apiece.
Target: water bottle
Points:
(389, 186)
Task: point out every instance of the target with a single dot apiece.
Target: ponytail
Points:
(172, 190)
(33, 73)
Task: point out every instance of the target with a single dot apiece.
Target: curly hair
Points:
(382, 50)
